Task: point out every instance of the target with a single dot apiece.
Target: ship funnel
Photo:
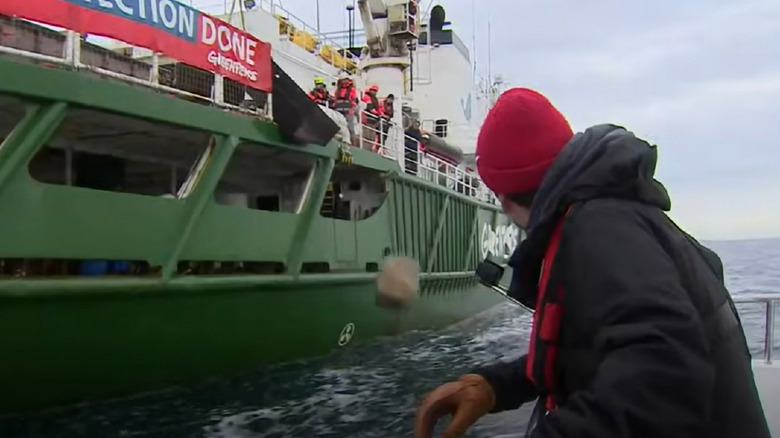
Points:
(438, 18)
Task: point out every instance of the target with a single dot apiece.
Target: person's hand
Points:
(467, 400)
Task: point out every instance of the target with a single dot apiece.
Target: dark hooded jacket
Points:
(651, 345)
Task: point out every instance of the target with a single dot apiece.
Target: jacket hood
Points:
(605, 161)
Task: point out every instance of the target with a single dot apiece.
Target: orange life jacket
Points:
(345, 100)
(319, 95)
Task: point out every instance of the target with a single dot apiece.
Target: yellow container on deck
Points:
(305, 40)
(285, 28)
(326, 53)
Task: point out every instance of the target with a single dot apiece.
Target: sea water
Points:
(362, 392)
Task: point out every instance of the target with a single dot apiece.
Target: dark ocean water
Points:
(364, 392)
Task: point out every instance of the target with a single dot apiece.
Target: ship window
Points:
(11, 113)
(440, 127)
(265, 178)
(355, 193)
(105, 151)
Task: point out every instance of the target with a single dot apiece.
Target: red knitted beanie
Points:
(519, 139)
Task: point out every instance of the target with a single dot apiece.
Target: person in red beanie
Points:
(634, 333)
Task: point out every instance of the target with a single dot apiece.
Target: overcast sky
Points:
(701, 79)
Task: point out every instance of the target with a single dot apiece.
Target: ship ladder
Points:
(328, 202)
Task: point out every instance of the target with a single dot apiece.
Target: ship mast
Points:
(240, 13)
(392, 29)
(489, 59)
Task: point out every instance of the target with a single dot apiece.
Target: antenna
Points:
(240, 13)
(490, 65)
(427, 12)
(318, 18)
(474, 40)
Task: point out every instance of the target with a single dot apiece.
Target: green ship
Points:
(157, 232)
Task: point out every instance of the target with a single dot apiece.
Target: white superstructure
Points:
(417, 59)
(437, 80)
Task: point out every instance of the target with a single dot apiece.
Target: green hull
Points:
(68, 348)
(75, 338)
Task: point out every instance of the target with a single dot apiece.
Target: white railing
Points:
(769, 305)
(337, 54)
(342, 37)
(111, 58)
(296, 30)
(389, 140)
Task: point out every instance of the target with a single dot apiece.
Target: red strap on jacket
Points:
(545, 332)
(346, 93)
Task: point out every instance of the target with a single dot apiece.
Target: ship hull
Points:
(91, 344)
(150, 241)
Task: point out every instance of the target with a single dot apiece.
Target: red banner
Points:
(165, 26)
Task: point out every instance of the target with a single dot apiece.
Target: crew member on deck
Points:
(387, 115)
(412, 139)
(634, 333)
(371, 116)
(320, 93)
(345, 101)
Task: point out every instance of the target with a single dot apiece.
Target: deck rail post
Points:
(770, 304)
(769, 330)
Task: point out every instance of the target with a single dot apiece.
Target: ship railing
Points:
(378, 136)
(116, 59)
(300, 33)
(389, 140)
(444, 127)
(767, 312)
(307, 37)
(342, 37)
(442, 172)
(325, 45)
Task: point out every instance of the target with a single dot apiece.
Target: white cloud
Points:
(701, 82)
